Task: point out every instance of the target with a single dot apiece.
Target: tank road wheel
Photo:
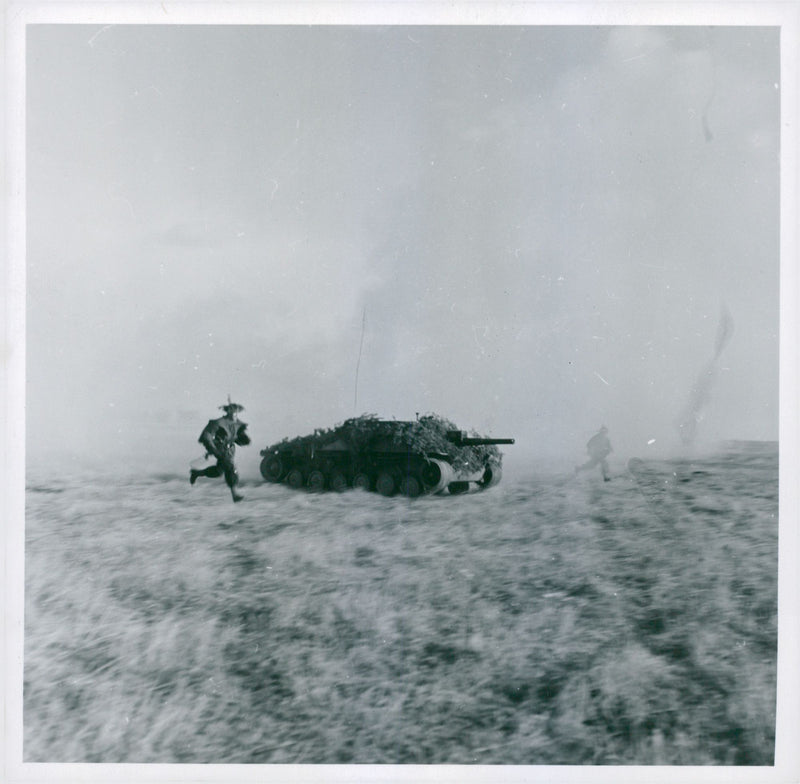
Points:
(431, 474)
(272, 468)
(338, 482)
(316, 481)
(436, 475)
(491, 477)
(295, 479)
(385, 483)
(410, 486)
(362, 481)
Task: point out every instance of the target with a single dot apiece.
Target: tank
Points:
(421, 457)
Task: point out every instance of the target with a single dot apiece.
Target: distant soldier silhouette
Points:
(220, 437)
(599, 448)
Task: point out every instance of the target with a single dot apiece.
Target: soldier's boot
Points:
(193, 476)
(233, 480)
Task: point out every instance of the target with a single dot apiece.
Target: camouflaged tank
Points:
(429, 455)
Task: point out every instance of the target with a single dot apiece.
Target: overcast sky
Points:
(529, 230)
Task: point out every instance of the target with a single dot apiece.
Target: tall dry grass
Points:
(543, 622)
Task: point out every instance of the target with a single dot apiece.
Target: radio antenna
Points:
(358, 363)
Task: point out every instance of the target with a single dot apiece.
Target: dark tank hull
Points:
(422, 457)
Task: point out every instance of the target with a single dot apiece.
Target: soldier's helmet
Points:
(232, 408)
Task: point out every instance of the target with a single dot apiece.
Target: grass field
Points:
(547, 621)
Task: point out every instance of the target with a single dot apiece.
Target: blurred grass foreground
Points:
(551, 620)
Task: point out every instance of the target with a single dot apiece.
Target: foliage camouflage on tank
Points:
(428, 455)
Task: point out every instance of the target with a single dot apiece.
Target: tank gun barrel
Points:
(460, 438)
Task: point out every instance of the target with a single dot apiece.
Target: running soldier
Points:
(220, 438)
(599, 448)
